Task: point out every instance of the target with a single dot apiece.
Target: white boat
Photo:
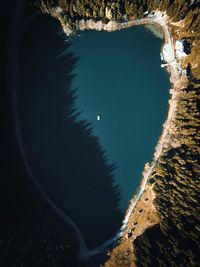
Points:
(98, 117)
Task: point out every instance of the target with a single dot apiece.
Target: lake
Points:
(90, 168)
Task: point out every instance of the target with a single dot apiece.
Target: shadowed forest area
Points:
(30, 232)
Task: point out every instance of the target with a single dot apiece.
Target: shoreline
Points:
(164, 141)
(174, 70)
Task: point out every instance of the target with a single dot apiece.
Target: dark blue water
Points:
(118, 76)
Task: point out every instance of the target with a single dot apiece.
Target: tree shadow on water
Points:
(65, 157)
